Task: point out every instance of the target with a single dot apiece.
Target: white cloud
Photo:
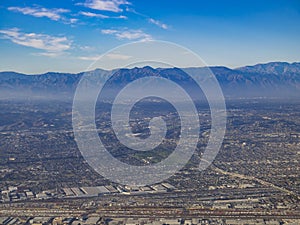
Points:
(118, 56)
(122, 17)
(89, 58)
(133, 35)
(45, 42)
(150, 20)
(113, 56)
(86, 48)
(90, 14)
(128, 34)
(53, 14)
(49, 54)
(158, 23)
(106, 5)
(109, 31)
(97, 15)
(73, 20)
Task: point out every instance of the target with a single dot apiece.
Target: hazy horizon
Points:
(83, 71)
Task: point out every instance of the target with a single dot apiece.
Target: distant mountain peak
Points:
(276, 68)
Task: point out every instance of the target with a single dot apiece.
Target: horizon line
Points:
(210, 66)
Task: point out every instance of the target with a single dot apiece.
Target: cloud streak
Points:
(49, 54)
(106, 5)
(90, 14)
(89, 58)
(128, 34)
(112, 56)
(149, 19)
(158, 23)
(52, 45)
(101, 16)
(53, 14)
(115, 56)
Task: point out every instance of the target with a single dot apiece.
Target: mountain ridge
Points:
(211, 67)
(260, 80)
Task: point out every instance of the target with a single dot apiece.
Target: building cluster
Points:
(98, 220)
(15, 194)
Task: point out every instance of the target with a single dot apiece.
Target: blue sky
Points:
(66, 36)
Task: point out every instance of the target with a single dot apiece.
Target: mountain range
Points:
(274, 79)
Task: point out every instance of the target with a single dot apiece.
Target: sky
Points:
(67, 36)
